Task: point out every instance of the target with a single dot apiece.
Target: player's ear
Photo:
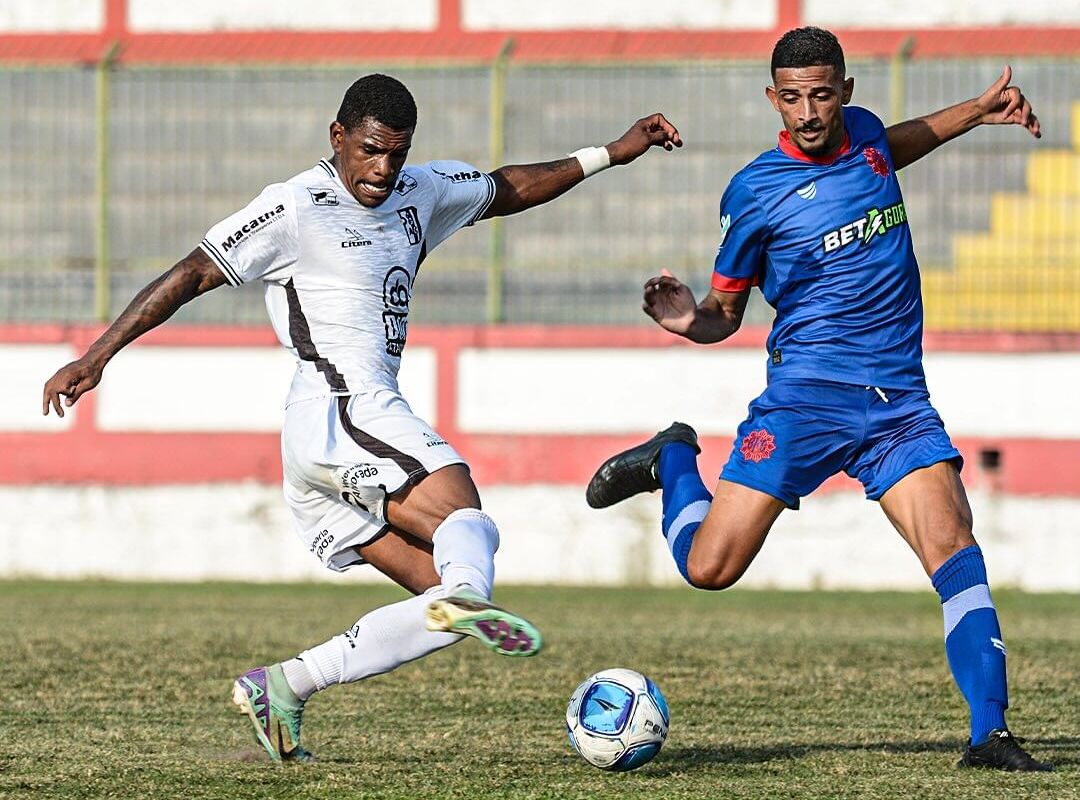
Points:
(337, 136)
(770, 92)
(849, 87)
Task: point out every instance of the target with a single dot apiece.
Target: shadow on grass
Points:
(1062, 751)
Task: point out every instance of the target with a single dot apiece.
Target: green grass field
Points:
(121, 690)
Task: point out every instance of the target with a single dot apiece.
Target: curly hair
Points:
(381, 98)
(808, 47)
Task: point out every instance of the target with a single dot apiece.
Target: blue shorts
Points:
(801, 432)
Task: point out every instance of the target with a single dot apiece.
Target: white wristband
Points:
(592, 159)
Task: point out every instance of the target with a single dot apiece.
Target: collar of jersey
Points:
(789, 148)
(325, 165)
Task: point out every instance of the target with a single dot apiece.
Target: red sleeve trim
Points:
(722, 283)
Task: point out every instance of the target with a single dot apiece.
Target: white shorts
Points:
(343, 456)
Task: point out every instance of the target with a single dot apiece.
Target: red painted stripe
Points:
(568, 45)
(531, 336)
(1028, 466)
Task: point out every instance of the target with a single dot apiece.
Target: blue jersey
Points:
(827, 241)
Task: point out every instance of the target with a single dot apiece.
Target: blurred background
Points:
(129, 127)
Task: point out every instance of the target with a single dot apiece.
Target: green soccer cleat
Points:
(499, 630)
(274, 710)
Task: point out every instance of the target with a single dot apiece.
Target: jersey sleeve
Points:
(462, 195)
(260, 241)
(743, 230)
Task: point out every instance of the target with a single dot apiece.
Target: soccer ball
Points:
(617, 719)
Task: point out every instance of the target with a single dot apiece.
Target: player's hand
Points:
(72, 381)
(1002, 104)
(669, 302)
(651, 131)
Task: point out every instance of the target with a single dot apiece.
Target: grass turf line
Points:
(121, 690)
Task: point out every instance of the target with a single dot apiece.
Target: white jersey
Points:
(338, 276)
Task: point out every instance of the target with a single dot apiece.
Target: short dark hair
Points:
(381, 98)
(808, 47)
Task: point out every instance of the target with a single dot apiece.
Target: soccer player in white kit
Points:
(337, 248)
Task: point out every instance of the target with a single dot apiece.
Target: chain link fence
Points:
(995, 216)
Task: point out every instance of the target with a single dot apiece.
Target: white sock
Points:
(464, 550)
(299, 678)
(380, 641)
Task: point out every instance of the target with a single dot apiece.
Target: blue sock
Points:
(685, 498)
(973, 640)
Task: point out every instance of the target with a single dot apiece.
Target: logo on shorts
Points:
(322, 541)
(357, 474)
(758, 445)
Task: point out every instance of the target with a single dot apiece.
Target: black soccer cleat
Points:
(633, 471)
(1002, 751)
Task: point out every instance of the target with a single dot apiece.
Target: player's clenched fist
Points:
(669, 302)
(71, 381)
(651, 131)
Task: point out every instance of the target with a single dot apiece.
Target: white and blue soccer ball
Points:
(617, 719)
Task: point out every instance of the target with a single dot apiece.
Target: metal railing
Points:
(113, 173)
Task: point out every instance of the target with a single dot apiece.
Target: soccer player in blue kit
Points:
(819, 224)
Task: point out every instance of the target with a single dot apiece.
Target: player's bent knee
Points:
(711, 575)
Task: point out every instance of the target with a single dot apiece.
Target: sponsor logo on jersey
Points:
(725, 226)
(261, 221)
(877, 161)
(458, 177)
(323, 197)
(356, 239)
(410, 221)
(397, 288)
(808, 192)
(875, 222)
(405, 185)
(758, 445)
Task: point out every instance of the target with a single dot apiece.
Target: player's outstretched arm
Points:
(672, 306)
(522, 186)
(1001, 104)
(194, 275)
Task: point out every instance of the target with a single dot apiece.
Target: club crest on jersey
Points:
(758, 445)
(405, 185)
(875, 222)
(725, 226)
(410, 221)
(323, 197)
(877, 161)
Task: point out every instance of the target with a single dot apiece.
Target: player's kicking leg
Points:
(930, 510)
(451, 576)
(711, 539)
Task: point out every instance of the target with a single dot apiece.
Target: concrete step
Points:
(1054, 173)
(1034, 216)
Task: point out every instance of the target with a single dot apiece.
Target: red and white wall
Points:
(171, 468)
(326, 30)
